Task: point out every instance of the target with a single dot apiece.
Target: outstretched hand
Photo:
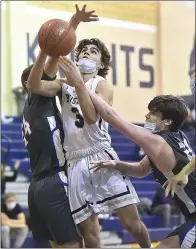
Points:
(85, 16)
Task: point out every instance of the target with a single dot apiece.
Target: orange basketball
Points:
(56, 37)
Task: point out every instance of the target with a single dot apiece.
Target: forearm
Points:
(15, 223)
(34, 80)
(86, 104)
(51, 66)
(74, 22)
(132, 169)
(189, 168)
(134, 132)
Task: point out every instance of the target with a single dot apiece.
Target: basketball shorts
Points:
(186, 233)
(99, 192)
(49, 209)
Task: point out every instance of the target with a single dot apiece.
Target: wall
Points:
(7, 98)
(177, 30)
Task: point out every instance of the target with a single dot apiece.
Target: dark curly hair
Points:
(105, 55)
(171, 107)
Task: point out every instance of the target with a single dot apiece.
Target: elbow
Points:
(32, 87)
(109, 115)
(142, 174)
(91, 120)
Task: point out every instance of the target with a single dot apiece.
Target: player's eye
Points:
(94, 51)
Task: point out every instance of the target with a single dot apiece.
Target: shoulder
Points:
(105, 90)
(104, 85)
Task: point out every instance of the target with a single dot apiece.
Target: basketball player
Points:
(43, 136)
(87, 139)
(167, 152)
(182, 177)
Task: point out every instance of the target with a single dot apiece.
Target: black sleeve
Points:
(46, 77)
(26, 72)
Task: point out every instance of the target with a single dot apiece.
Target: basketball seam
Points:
(50, 32)
(69, 28)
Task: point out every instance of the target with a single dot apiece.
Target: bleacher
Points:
(127, 151)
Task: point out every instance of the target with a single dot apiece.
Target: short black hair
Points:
(105, 55)
(25, 74)
(171, 107)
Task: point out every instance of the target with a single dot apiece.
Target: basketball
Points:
(56, 37)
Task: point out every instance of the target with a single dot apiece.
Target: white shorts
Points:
(99, 192)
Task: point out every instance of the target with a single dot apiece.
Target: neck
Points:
(88, 76)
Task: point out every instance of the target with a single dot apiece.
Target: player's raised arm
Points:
(141, 136)
(138, 169)
(74, 77)
(34, 83)
(82, 16)
(52, 87)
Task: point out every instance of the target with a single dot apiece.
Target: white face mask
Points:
(11, 205)
(87, 66)
(193, 85)
(150, 126)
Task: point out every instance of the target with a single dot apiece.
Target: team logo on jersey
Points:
(71, 99)
(71, 96)
(26, 131)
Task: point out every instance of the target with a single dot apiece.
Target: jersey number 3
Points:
(79, 119)
(26, 131)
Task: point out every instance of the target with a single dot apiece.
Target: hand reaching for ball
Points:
(71, 71)
(85, 16)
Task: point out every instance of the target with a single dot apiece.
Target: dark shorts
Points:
(186, 233)
(50, 214)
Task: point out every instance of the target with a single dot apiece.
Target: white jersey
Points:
(78, 134)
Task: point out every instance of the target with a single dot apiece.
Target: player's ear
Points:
(24, 86)
(168, 122)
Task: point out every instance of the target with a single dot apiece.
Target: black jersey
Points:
(185, 198)
(42, 133)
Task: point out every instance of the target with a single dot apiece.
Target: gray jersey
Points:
(78, 134)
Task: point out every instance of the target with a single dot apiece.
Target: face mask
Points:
(151, 126)
(193, 85)
(11, 205)
(87, 66)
